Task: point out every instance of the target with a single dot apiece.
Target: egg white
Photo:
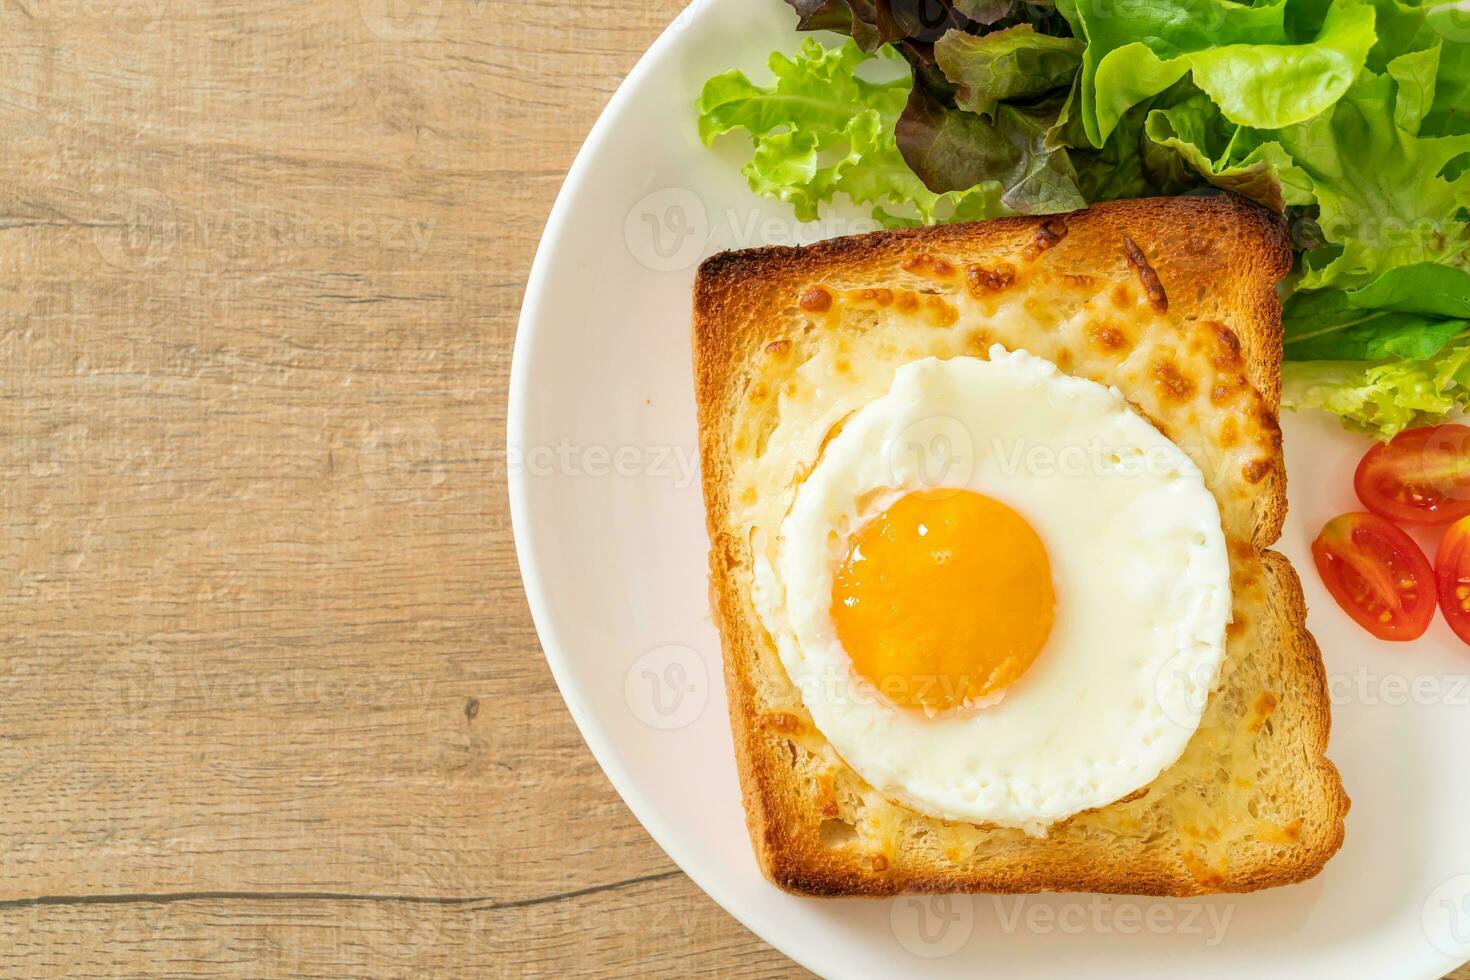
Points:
(1139, 566)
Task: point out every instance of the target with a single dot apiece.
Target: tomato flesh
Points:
(1421, 477)
(1377, 574)
(1452, 570)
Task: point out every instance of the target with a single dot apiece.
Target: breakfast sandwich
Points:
(989, 508)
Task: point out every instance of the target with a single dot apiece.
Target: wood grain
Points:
(270, 699)
(662, 927)
(261, 629)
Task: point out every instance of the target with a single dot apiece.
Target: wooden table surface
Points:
(272, 700)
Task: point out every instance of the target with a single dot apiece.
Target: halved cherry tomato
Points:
(1421, 477)
(1377, 574)
(1452, 569)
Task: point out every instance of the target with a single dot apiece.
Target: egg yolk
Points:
(943, 598)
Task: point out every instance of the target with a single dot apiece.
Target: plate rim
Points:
(532, 575)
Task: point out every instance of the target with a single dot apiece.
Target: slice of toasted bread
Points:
(1173, 302)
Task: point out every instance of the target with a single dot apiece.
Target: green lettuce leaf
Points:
(1240, 56)
(1327, 326)
(1412, 311)
(1439, 290)
(820, 130)
(1352, 117)
(1119, 169)
(1006, 65)
(1383, 398)
(1450, 114)
(1383, 194)
(1402, 27)
(1193, 139)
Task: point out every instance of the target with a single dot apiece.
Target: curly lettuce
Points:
(819, 130)
(1380, 187)
(1239, 55)
(1350, 117)
(1383, 397)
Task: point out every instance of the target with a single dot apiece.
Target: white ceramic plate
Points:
(609, 526)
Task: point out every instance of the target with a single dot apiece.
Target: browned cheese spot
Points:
(931, 266)
(1078, 280)
(1270, 428)
(1107, 337)
(874, 297)
(778, 348)
(1246, 574)
(941, 312)
(1171, 384)
(816, 299)
(758, 392)
(1229, 433)
(1147, 277)
(880, 863)
(979, 343)
(1064, 360)
(983, 280)
(1226, 389)
(1266, 703)
(907, 302)
(1256, 470)
(1227, 346)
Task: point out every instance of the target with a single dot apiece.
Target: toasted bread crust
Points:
(1192, 258)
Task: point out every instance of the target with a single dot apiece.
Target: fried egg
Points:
(1001, 592)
